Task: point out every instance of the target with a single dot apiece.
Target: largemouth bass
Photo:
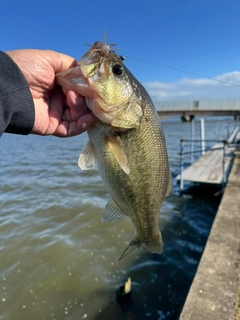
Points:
(126, 142)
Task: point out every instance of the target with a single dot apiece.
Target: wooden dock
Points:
(214, 166)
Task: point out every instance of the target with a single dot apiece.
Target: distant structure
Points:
(187, 110)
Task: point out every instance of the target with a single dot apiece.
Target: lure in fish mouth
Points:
(126, 143)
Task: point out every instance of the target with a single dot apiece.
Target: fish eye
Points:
(117, 69)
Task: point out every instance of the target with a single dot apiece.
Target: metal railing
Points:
(191, 153)
(227, 143)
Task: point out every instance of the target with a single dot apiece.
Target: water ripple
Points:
(59, 261)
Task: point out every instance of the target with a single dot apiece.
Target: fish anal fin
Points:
(87, 159)
(112, 212)
(116, 146)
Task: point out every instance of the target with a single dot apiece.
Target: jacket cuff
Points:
(17, 112)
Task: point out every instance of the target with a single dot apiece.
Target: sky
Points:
(173, 47)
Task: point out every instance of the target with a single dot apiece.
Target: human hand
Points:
(55, 113)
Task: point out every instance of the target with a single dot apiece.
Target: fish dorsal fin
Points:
(87, 159)
(116, 146)
(112, 212)
(170, 186)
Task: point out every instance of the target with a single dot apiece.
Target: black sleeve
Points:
(16, 103)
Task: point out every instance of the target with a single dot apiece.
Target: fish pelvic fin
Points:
(154, 245)
(87, 158)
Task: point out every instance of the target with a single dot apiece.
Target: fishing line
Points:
(184, 71)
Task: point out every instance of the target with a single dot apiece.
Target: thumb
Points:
(61, 61)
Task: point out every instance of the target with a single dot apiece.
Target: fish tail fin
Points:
(135, 243)
(155, 245)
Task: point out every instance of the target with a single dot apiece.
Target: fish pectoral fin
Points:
(87, 158)
(112, 212)
(116, 146)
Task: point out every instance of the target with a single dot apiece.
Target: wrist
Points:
(17, 103)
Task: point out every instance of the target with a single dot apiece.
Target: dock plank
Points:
(209, 167)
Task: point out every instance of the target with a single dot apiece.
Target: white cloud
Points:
(227, 86)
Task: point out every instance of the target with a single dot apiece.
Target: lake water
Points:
(59, 261)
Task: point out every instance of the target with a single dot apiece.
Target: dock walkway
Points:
(210, 168)
(214, 291)
(199, 108)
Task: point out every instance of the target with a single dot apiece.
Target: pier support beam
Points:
(187, 118)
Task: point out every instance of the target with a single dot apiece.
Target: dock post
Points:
(192, 138)
(224, 180)
(203, 135)
(181, 165)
